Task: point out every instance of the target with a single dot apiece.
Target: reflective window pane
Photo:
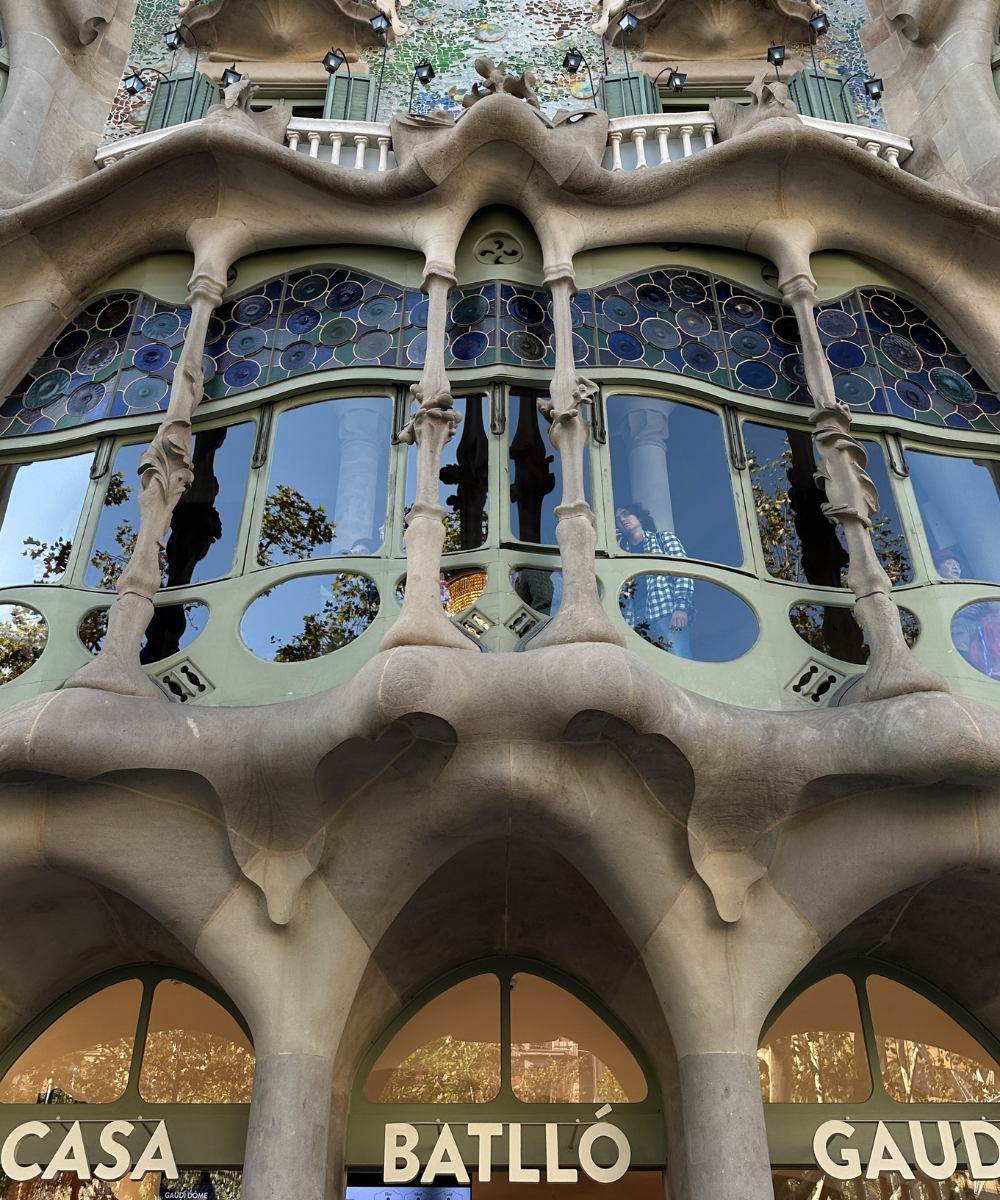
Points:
(814, 1053)
(196, 1052)
(690, 618)
(670, 466)
(975, 631)
(464, 481)
(84, 1056)
(924, 1054)
(461, 589)
(203, 530)
(40, 506)
(309, 617)
(561, 1052)
(23, 634)
(447, 1053)
(960, 506)
(807, 1183)
(798, 541)
(535, 471)
(173, 627)
(834, 630)
(327, 482)
(540, 590)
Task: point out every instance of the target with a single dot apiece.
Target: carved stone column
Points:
(851, 497)
(423, 621)
(165, 472)
(580, 618)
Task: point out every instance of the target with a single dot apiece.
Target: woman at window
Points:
(975, 630)
(660, 604)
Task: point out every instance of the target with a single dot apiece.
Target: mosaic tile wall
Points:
(887, 357)
(525, 34)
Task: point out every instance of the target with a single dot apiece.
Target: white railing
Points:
(633, 142)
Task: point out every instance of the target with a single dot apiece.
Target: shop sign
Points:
(401, 1164)
(71, 1154)
(838, 1158)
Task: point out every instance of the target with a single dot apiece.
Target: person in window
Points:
(975, 629)
(660, 605)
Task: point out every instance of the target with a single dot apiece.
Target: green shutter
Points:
(349, 98)
(181, 98)
(629, 95)
(817, 94)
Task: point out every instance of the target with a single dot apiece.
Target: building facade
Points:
(499, 600)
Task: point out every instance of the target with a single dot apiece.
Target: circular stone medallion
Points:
(854, 390)
(694, 323)
(161, 326)
(251, 310)
(72, 343)
(836, 324)
(660, 333)
(469, 346)
(912, 394)
(618, 309)
(43, 391)
(743, 310)
(116, 312)
(846, 355)
(245, 342)
(470, 311)
(373, 344)
(756, 375)
(97, 355)
(749, 343)
(297, 355)
(946, 383)
(526, 345)
(651, 295)
(377, 310)
(344, 295)
(687, 289)
(302, 321)
(309, 288)
(242, 374)
(624, 346)
(337, 331)
(525, 310)
(151, 357)
(85, 399)
(145, 393)
(900, 351)
(700, 358)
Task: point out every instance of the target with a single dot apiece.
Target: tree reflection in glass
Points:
(814, 1053)
(23, 634)
(823, 626)
(447, 1053)
(308, 617)
(925, 1055)
(195, 1052)
(177, 624)
(40, 506)
(327, 483)
(84, 1056)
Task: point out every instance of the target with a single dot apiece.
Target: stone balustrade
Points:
(634, 143)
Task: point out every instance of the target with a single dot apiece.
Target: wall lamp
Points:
(230, 76)
(175, 41)
(571, 64)
(776, 57)
(874, 89)
(425, 73)
(134, 83)
(380, 23)
(675, 80)
(819, 24)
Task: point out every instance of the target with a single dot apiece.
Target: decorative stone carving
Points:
(288, 30)
(770, 102)
(272, 123)
(701, 29)
(498, 80)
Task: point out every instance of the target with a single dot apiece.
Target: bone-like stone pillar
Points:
(422, 620)
(725, 1141)
(581, 617)
(851, 496)
(288, 1142)
(165, 471)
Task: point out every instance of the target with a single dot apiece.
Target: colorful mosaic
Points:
(887, 357)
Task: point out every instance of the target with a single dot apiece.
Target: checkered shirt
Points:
(665, 594)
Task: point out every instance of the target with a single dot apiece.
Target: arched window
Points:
(158, 1053)
(890, 1067)
(514, 1044)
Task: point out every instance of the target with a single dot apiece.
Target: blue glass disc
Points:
(756, 375)
(853, 389)
(151, 357)
(470, 345)
(470, 311)
(303, 321)
(85, 399)
(344, 295)
(245, 342)
(72, 343)
(660, 333)
(373, 344)
(618, 309)
(624, 346)
(96, 356)
(846, 355)
(525, 310)
(145, 393)
(242, 374)
(946, 383)
(700, 358)
(297, 355)
(913, 395)
(835, 323)
(43, 391)
(251, 310)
